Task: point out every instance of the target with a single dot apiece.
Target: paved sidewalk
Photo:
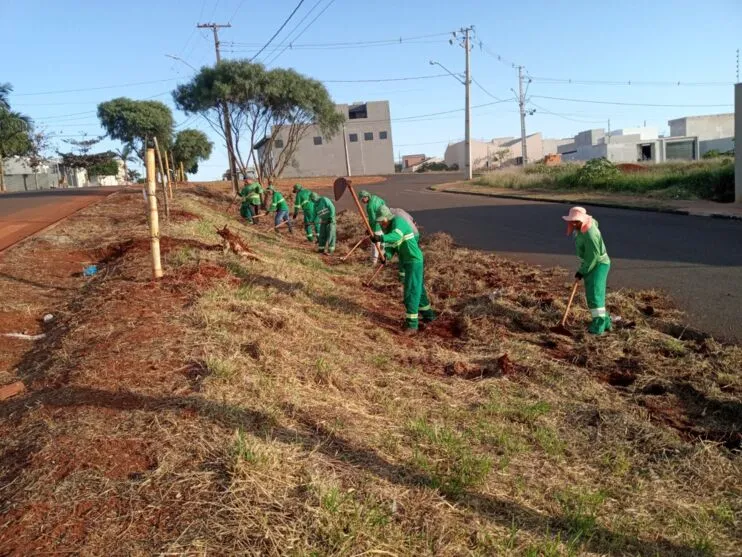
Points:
(699, 207)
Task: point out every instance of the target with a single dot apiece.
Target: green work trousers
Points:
(311, 228)
(595, 284)
(416, 300)
(327, 235)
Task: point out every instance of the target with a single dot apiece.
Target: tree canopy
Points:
(15, 131)
(260, 105)
(132, 121)
(190, 147)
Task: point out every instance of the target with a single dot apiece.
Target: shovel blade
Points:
(339, 187)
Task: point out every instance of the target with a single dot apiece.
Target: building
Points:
(368, 136)
(412, 160)
(714, 131)
(18, 175)
(501, 151)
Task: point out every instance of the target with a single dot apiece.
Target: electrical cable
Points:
(279, 30)
(620, 103)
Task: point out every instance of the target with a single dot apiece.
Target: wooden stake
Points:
(162, 174)
(182, 173)
(169, 178)
(154, 221)
(175, 169)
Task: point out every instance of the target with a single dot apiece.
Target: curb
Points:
(606, 204)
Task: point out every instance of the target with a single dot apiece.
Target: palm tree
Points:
(126, 154)
(5, 89)
(15, 132)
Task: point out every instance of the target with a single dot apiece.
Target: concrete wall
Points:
(713, 126)
(622, 152)
(412, 160)
(737, 150)
(367, 156)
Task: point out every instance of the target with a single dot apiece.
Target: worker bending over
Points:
(251, 195)
(325, 211)
(374, 203)
(303, 202)
(279, 205)
(595, 265)
(399, 237)
(407, 217)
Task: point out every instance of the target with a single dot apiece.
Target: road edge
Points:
(59, 221)
(451, 188)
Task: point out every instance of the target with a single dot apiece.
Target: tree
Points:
(84, 146)
(15, 131)
(261, 105)
(37, 153)
(131, 122)
(190, 147)
(126, 154)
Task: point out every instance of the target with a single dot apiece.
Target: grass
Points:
(708, 179)
(271, 408)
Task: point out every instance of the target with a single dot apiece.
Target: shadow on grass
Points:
(314, 437)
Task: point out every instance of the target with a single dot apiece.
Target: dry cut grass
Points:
(272, 408)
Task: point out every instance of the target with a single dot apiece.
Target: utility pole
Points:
(609, 130)
(347, 156)
(467, 117)
(522, 105)
(737, 65)
(227, 124)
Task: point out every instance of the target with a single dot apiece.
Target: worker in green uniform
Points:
(398, 237)
(373, 204)
(279, 205)
(325, 211)
(407, 217)
(594, 268)
(302, 201)
(251, 195)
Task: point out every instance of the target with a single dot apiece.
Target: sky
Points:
(63, 58)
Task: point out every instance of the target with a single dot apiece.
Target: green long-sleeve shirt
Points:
(375, 203)
(400, 238)
(325, 210)
(590, 249)
(278, 203)
(302, 201)
(251, 193)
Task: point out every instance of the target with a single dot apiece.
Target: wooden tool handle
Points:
(365, 220)
(378, 270)
(353, 249)
(569, 304)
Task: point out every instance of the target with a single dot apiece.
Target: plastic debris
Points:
(48, 318)
(90, 270)
(24, 336)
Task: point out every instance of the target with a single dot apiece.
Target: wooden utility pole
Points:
(154, 221)
(227, 124)
(162, 177)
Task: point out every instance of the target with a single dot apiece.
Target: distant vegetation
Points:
(711, 178)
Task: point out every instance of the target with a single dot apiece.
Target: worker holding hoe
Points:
(373, 204)
(302, 201)
(595, 265)
(398, 237)
(408, 218)
(251, 195)
(279, 205)
(324, 208)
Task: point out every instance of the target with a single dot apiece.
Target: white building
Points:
(502, 151)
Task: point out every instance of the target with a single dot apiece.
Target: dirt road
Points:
(23, 214)
(697, 260)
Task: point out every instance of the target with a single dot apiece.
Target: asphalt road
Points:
(25, 213)
(697, 260)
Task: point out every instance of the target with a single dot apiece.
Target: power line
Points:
(60, 92)
(279, 30)
(384, 80)
(564, 116)
(239, 6)
(620, 103)
(631, 82)
(485, 90)
(396, 40)
(275, 49)
(296, 37)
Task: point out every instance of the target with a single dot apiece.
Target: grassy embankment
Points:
(272, 408)
(708, 179)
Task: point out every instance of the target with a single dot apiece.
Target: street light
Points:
(179, 59)
(456, 77)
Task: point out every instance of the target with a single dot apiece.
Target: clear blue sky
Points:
(50, 46)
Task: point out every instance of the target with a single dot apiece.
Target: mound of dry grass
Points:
(271, 407)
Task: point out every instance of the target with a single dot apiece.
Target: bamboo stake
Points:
(162, 175)
(154, 221)
(175, 169)
(182, 173)
(169, 179)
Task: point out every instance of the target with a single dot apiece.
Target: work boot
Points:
(409, 332)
